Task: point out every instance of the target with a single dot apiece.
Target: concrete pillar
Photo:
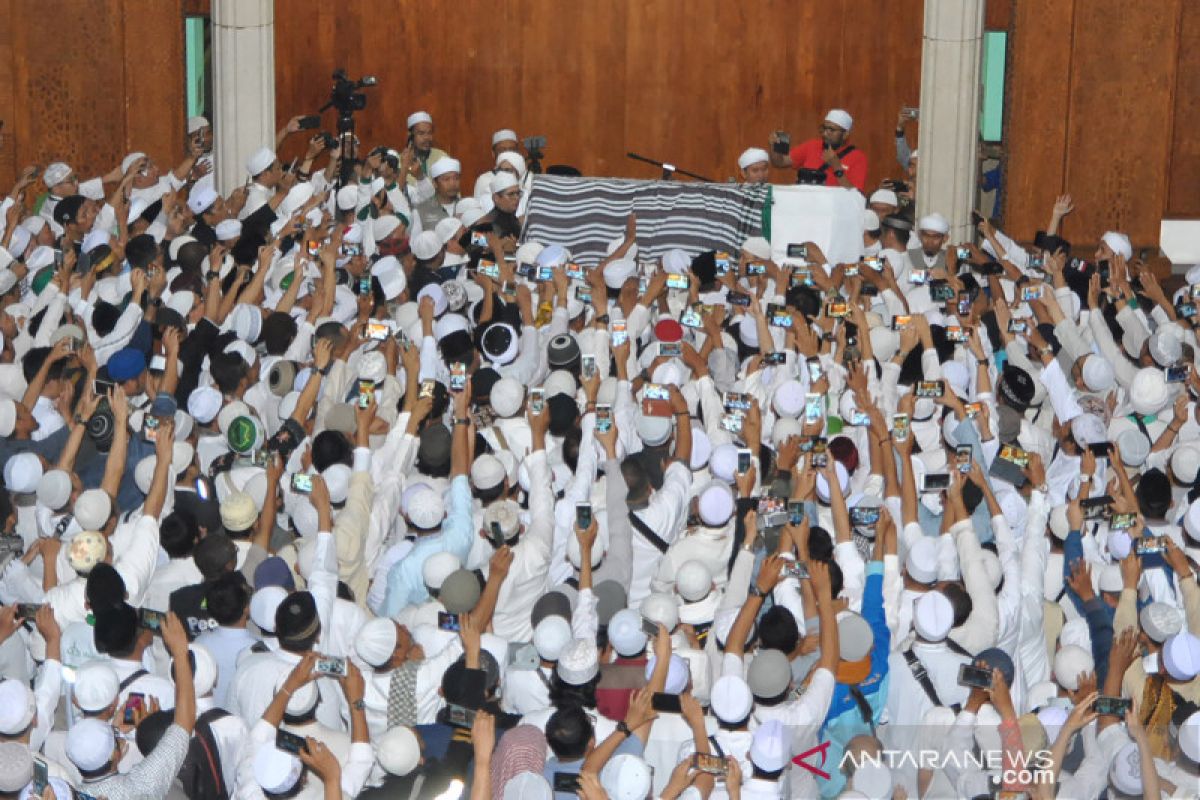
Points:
(243, 85)
(951, 53)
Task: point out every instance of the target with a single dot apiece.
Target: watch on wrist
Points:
(755, 591)
(624, 729)
(838, 173)
(359, 705)
(603, 318)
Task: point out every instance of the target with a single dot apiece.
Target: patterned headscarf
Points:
(522, 749)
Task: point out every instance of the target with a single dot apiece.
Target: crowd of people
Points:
(335, 487)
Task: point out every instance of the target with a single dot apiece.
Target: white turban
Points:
(418, 117)
(840, 118)
(443, 166)
(752, 155)
(503, 136)
(934, 222)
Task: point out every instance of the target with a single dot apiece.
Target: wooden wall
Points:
(88, 82)
(692, 83)
(1104, 103)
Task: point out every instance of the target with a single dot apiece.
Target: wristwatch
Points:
(623, 729)
(837, 173)
(755, 591)
(461, 421)
(359, 705)
(603, 318)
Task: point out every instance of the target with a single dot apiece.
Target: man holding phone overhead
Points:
(826, 160)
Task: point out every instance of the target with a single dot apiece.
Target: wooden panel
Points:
(691, 83)
(1183, 198)
(1118, 142)
(998, 15)
(154, 80)
(8, 107)
(1038, 97)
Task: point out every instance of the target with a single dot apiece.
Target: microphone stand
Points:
(668, 169)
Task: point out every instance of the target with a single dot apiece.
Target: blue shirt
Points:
(405, 585)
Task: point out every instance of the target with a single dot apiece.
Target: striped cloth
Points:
(585, 214)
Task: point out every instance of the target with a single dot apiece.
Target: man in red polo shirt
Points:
(842, 164)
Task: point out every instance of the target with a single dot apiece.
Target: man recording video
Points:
(826, 157)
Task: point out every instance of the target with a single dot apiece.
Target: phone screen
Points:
(975, 677)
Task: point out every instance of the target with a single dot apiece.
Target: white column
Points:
(951, 52)
(243, 85)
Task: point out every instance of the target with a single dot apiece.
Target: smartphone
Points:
(537, 400)
(974, 410)
(873, 262)
(820, 452)
(1017, 326)
(864, 516)
(150, 428)
(1100, 449)
(1150, 664)
(798, 251)
(604, 418)
(1120, 522)
(976, 217)
(1186, 310)
(134, 701)
(962, 456)
(962, 253)
(666, 702)
(918, 277)
(974, 677)
(427, 389)
(202, 488)
(618, 334)
(860, 419)
(851, 271)
(670, 349)
(798, 570)
(41, 776)
(1031, 293)
(1148, 545)
(940, 291)
(782, 145)
(795, 512)
(901, 321)
(704, 762)
(733, 422)
(964, 305)
(289, 742)
(1015, 454)
(574, 271)
(1095, 507)
(676, 280)
(738, 299)
(583, 294)
(930, 389)
(801, 276)
(566, 783)
(649, 627)
(837, 308)
(900, 426)
(151, 620)
(743, 461)
(814, 370)
(526, 270)
(693, 316)
(302, 483)
(509, 289)
(957, 333)
(28, 611)
(935, 482)
(312, 247)
(778, 316)
(376, 331)
(330, 665)
(1176, 374)
(772, 511)
(309, 122)
(448, 622)
(458, 376)
(489, 268)
(814, 407)
(737, 401)
(366, 392)
(656, 400)
(587, 365)
(583, 516)
(1112, 706)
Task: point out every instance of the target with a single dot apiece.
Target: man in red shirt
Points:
(842, 164)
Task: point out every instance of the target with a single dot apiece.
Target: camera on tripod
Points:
(346, 98)
(534, 145)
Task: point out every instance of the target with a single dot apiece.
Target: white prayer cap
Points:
(438, 567)
(205, 675)
(560, 381)
(731, 699)
(276, 771)
(579, 662)
(752, 155)
(426, 510)
(661, 608)
(678, 673)
(417, 118)
(296, 197)
(425, 246)
(870, 220)
(42, 256)
(884, 197)
(391, 277)
(1189, 737)
(716, 504)
(618, 271)
(920, 562)
(398, 750)
(756, 246)
(693, 580)
(1097, 373)
(653, 431)
(54, 489)
(843, 478)
(196, 124)
(513, 159)
(627, 777)
(625, 633)
(201, 198)
(56, 173)
(1181, 656)
(347, 198)
(1166, 345)
(502, 181)
(22, 473)
(92, 508)
(1110, 574)
(789, 399)
(551, 637)
(933, 616)
(503, 135)
(723, 462)
(263, 605)
(337, 480)
(16, 773)
(1148, 393)
(228, 229)
(90, 744)
(446, 229)
(770, 749)
(933, 222)
(204, 403)
(376, 641)
(260, 161)
(472, 215)
(527, 786)
(1160, 621)
(131, 159)
(1070, 662)
(1052, 719)
(840, 118)
(875, 781)
(1126, 770)
(506, 396)
(17, 707)
(1185, 462)
(1135, 447)
(96, 685)
(444, 166)
(1118, 243)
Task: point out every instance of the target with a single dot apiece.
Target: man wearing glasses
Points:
(841, 164)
